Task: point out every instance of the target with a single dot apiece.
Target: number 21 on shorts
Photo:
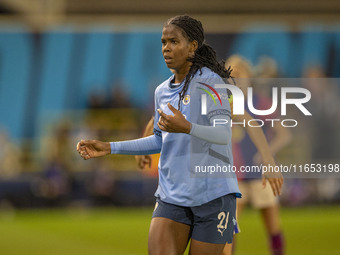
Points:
(223, 219)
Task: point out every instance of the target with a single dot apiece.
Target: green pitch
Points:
(312, 231)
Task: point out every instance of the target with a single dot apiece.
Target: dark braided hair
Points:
(204, 56)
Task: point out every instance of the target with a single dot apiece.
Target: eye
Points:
(174, 41)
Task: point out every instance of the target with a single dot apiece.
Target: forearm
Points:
(219, 134)
(142, 146)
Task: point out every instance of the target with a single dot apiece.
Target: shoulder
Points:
(206, 76)
(207, 73)
(163, 85)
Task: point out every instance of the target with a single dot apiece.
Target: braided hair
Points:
(204, 56)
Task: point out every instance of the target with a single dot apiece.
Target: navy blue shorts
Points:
(213, 222)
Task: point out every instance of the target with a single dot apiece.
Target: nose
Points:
(165, 47)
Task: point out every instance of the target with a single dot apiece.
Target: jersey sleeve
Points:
(220, 107)
(142, 146)
(217, 135)
(156, 130)
(216, 128)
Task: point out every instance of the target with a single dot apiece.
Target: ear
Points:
(193, 46)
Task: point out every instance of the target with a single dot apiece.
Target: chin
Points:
(169, 65)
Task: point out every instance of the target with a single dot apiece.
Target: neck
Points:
(181, 74)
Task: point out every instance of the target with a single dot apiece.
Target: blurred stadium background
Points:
(72, 69)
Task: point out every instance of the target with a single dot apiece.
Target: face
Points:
(176, 49)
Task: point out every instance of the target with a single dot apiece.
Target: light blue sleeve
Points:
(142, 146)
(157, 132)
(217, 130)
(220, 134)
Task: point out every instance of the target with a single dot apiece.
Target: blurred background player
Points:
(246, 154)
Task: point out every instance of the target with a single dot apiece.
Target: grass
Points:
(312, 230)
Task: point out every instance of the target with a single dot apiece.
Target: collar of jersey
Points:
(176, 87)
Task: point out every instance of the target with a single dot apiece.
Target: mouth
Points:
(167, 59)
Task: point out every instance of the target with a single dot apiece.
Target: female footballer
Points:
(200, 207)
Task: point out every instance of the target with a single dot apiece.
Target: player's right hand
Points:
(143, 161)
(93, 148)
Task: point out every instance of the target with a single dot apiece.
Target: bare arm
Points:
(149, 127)
(282, 137)
(258, 138)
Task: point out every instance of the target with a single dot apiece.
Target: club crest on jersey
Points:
(186, 99)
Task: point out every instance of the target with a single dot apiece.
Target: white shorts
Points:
(254, 193)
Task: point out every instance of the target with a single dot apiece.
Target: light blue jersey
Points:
(192, 171)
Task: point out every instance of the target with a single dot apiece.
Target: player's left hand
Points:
(173, 123)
